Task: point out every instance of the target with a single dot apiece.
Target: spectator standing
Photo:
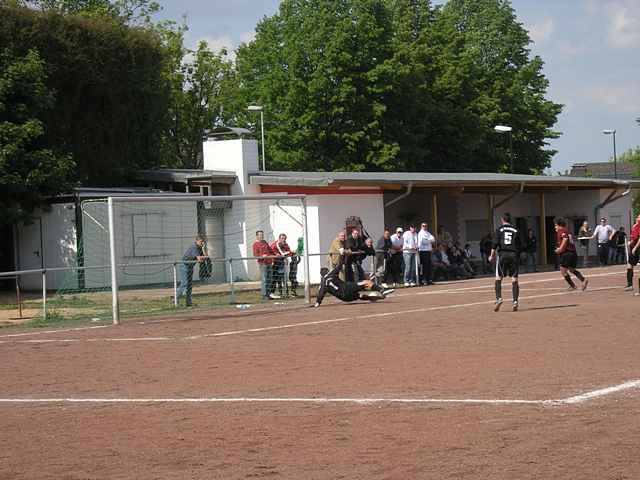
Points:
(194, 254)
(293, 266)
(620, 239)
(486, 243)
(397, 242)
(426, 241)
(336, 250)
(383, 257)
(282, 252)
(603, 234)
(264, 255)
(584, 234)
(354, 254)
(409, 254)
(531, 249)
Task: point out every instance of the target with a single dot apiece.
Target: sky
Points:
(590, 49)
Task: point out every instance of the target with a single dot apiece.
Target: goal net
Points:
(200, 248)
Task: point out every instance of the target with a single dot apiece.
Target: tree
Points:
(202, 85)
(111, 95)
(486, 57)
(30, 169)
(131, 12)
(312, 67)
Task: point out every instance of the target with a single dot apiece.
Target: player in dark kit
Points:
(506, 252)
(348, 291)
(633, 254)
(567, 256)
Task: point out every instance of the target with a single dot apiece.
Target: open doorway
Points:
(7, 256)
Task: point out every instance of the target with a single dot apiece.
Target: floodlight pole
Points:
(506, 129)
(260, 108)
(615, 159)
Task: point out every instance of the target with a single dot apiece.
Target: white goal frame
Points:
(111, 201)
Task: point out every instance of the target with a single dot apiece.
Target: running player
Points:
(348, 291)
(633, 254)
(506, 247)
(567, 256)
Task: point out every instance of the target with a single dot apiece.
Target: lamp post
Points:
(615, 160)
(506, 129)
(258, 108)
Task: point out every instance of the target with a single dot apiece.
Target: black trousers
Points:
(425, 264)
(603, 253)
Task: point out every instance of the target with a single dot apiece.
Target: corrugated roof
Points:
(320, 179)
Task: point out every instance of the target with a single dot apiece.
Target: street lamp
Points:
(258, 108)
(506, 129)
(615, 160)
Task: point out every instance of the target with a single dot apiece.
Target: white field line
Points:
(397, 294)
(582, 398)
(294, 325)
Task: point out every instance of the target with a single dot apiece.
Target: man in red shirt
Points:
(281, 250)
(633, 254)
(567, 256)
(264, 255)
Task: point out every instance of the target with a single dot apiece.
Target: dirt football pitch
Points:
(427, 384)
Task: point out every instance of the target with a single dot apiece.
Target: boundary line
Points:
(292, 325)
(577, 399)
(398, 294)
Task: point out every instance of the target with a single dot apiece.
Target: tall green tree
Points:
(30, 168)
(486, 55)
(111, 95)
(311, 66)
(202, 86)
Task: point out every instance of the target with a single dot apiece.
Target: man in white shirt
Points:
(409, 253)
(395, 255)
(603, 233)
(426, 242)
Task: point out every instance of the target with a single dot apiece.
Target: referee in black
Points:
(506, 252)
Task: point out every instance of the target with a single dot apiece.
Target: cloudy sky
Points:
(590, 49)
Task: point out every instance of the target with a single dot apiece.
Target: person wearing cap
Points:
(603, 233)
(395, 255)
(426, 241)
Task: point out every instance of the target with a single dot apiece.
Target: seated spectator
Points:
(457, 259)
(442, 265)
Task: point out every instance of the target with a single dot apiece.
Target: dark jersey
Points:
(331, 284)
(507, 239)
(569, 245)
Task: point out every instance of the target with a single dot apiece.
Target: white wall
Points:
(59, 245)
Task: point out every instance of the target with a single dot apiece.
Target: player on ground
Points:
(633, 254)
(567, 256)
(348, 291)
(506, 252)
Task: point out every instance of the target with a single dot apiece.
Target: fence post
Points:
(175, 285)
(114, 272)
(44, 294)
(305, 235)
(231, 284)
(19, 295)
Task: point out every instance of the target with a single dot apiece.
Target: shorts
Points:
(507, 265)
(568, 259)
(633, 259)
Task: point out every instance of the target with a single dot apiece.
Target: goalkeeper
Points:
(347, 291)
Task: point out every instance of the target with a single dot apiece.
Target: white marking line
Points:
(602, 392)
(397, 294)
(294, 325)
(585, 397)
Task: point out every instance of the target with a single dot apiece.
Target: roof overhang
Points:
(186, 176)
(461, 182)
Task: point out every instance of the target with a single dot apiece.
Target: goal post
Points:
(152, 238)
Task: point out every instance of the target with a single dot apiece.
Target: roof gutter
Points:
(613, 196)
(400, 197)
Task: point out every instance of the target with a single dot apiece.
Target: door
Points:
(551, 241)
(6, 256)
